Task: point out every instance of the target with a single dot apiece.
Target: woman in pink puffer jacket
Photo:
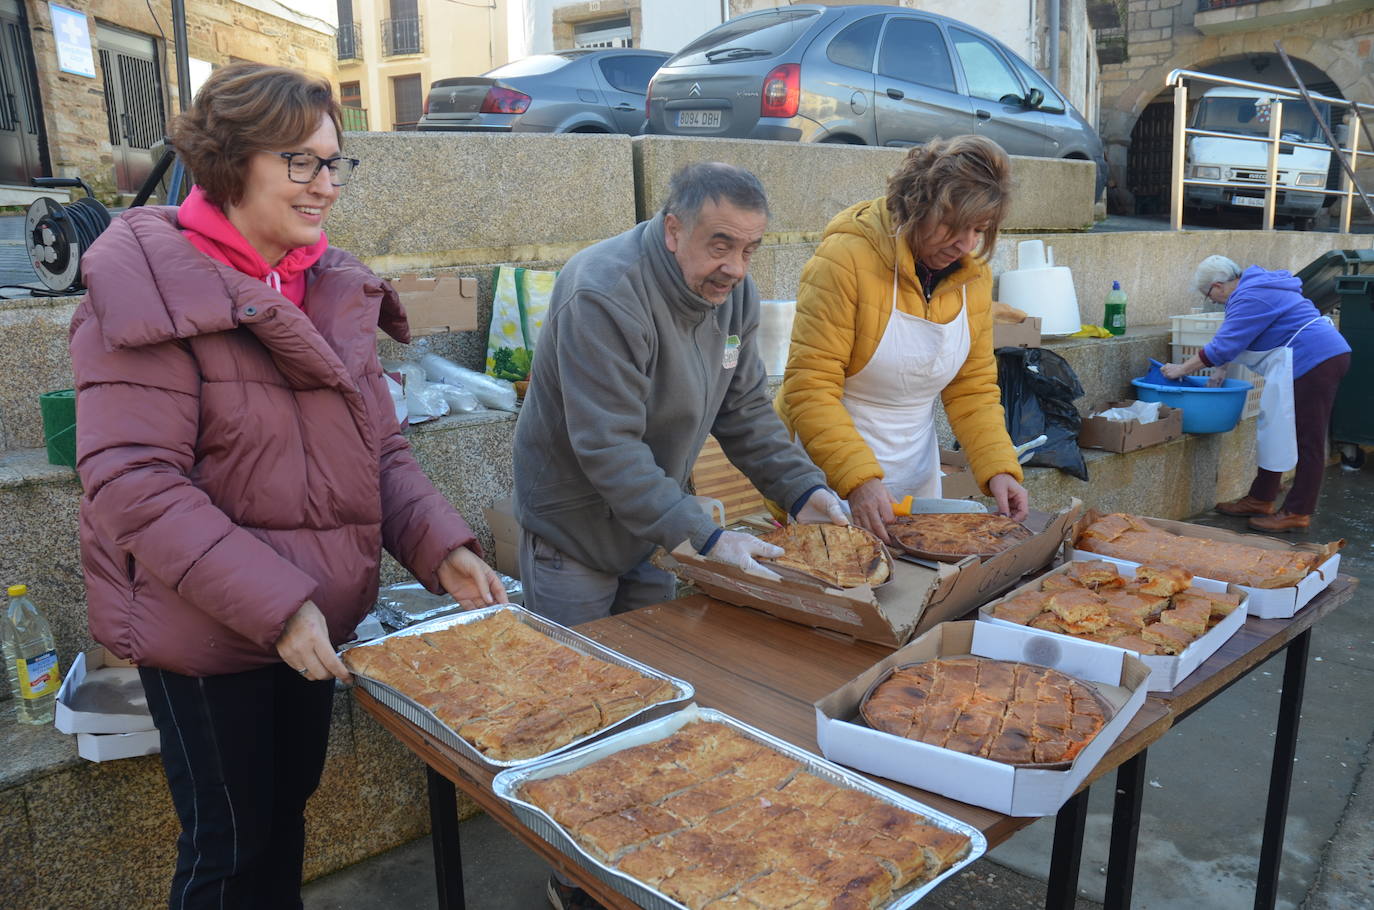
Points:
(243, 469)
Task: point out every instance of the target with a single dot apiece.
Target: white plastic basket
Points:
(1181, 352)
(1195, 328)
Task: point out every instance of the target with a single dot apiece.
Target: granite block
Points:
(1051, 194)
(17, 869)
(432, 200)
(116, 818)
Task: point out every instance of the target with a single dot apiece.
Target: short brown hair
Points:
(961, 182)
(245, 108)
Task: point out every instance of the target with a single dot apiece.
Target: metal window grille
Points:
(349, 42)
(401, 36)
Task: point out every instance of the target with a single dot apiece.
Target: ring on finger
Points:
(304, 671)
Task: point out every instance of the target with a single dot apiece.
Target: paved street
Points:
(1200, 832)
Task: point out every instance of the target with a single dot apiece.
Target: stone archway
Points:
(1341, 46)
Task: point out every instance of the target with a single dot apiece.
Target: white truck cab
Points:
(1246, 112)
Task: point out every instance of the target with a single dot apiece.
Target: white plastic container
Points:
(1040, 288)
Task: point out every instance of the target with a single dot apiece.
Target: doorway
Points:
(21, 122)
(134, 107)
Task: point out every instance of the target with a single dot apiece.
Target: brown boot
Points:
(1246, 505)
(1280, 522)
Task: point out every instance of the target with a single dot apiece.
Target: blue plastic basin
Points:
(1205, 410)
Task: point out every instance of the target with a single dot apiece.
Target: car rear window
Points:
(532, 66)
(767, 34)
(856, 44)
(630, 73)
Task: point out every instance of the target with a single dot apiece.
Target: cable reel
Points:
(57, 235)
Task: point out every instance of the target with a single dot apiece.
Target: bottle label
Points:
(38, 676)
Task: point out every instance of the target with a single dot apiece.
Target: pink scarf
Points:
(211, 232)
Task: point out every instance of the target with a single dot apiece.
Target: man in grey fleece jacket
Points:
(651, 343)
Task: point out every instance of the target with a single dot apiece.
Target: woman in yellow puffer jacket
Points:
(894, 310)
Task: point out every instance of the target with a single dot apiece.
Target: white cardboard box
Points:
(1166, 670)
(1118, 675)
(1264, 603)
(915, 599)
(127, 712)
(109, 746)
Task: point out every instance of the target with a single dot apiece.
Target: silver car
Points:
(575, 91)
(865, 75)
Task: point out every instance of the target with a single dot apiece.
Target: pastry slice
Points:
(1189, 614)
(1020, 609)
(1059, 582)
(1136, 643)
(1046, 621)
(1165, 581)
(1077, 605)
(1167, 639)
(1095, 574)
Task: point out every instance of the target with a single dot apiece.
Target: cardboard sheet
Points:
(444, 304)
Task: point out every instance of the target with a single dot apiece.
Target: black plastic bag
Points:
(1038, 389)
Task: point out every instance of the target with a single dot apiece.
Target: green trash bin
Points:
(59, 426)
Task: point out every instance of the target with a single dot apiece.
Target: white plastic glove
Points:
(739, 549)
(822, 506)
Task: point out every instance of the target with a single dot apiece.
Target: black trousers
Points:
(242, 752)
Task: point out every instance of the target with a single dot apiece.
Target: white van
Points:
(1245, 112)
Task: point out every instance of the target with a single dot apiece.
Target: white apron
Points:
(1276, 435)
(892, 399)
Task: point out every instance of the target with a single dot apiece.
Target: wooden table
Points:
(768, 672)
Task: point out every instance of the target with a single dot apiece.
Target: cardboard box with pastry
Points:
(1278, 577)
(915, 596)
(1007, 723)
(1172, 620)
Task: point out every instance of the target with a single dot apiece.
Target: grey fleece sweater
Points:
(631, 372)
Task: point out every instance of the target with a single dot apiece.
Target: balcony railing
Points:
(401, 36)
(349, 42)
(1208, 5)
(354, 119)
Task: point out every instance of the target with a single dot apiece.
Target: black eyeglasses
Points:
(302, 167)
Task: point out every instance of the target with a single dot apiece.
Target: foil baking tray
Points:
(508, 783)
(423, 718)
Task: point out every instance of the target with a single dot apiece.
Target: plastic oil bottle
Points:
(1114, 310)
(30, 658)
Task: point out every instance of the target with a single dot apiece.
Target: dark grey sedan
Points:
(866, 75)
(575, 91)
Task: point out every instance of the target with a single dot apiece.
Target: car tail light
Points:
(424, 109)
(648, 98)
(502, 100)
(781, 94)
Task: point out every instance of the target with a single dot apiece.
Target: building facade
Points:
(389, 51)
(1330, 42)
(94, 83)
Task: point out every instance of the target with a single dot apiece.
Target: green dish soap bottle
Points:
(1114, 310)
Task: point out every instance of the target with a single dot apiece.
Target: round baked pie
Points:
(1017, 713)
(951, 536)
(839, 556)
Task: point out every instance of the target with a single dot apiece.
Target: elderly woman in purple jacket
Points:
(1271, 328)
(243, 470)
